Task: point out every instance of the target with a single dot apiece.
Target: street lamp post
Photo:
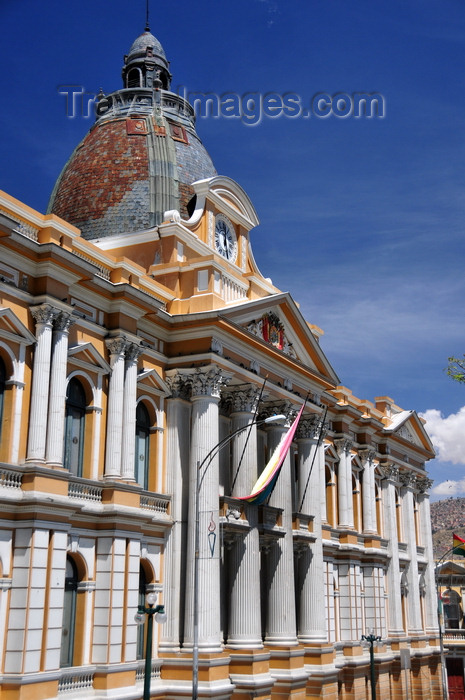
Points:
(199, 478)
(160, 616)
(371, 639)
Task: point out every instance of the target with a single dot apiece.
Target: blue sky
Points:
(362, 220)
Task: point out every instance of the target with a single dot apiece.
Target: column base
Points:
(213, 675)
(250, 673)
(288, 670)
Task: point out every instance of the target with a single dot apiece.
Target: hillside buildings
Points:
(136, 333)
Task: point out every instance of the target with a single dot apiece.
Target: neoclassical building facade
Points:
(136, 334)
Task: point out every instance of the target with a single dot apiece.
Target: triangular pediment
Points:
(408, 426)
(11, 328)
(84, 355)
(150, 380)
(277, 322)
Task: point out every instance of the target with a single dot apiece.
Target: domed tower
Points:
(140, 157)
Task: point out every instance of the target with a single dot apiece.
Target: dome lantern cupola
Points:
(146, 64)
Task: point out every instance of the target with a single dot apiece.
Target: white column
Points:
(128, 445)
(344, 483)
(368, 490)
(431, 615)
(43, 316)
(206, 386)
(57, 401)
(116, 348)
(178, 410)
(391, 475)
(244, 618)
(281, 628)
(413, 596)
(311, 625)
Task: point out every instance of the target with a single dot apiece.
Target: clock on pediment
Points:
(225, 238)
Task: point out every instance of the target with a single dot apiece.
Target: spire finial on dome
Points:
(147, 26)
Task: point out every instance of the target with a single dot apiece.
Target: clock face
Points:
(225, 240)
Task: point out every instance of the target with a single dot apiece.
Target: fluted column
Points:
(344, 483)
(390, 475)
(244, 619)
(431, 619)
(178, 410)
(116, 348)
(368, 490)
(128, 445)
(57, 401)
(281, 622)
(408, 481)
(311, 624)
(43, 316)
(206, 386)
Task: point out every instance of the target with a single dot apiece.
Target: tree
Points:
(456, 369)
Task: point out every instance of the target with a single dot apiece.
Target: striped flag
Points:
(459, 545)
(269, 475)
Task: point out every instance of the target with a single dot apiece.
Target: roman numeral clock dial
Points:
(225, 239)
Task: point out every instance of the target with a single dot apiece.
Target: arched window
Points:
(141, 628)
(133, 78)
(69, 614)
(141, 467)
(2, 391)
(74, 427)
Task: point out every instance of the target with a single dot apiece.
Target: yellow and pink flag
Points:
(267, 480)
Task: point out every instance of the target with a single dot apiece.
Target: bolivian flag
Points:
(459, 545)
(269, 475)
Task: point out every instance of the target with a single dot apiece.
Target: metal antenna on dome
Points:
(147, 27)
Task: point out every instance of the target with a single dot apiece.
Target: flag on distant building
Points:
(459, 545)
(265, 484)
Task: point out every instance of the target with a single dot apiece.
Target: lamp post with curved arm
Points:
(202, 468)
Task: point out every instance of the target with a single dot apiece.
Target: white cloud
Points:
(447, 435)
(449, 488)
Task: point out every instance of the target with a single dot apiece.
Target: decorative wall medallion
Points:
(270, 328)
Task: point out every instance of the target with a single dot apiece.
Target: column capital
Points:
(367, 455)
(243, 400)
(343, 446)
(179, 384)
(208, 381)
(133, 352)
(389, 471)
(310, 428)
(116, 346)
(408, 480)
(45, 313)
(63, 322)
(424, 484)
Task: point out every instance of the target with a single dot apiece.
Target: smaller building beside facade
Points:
(450, 577)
